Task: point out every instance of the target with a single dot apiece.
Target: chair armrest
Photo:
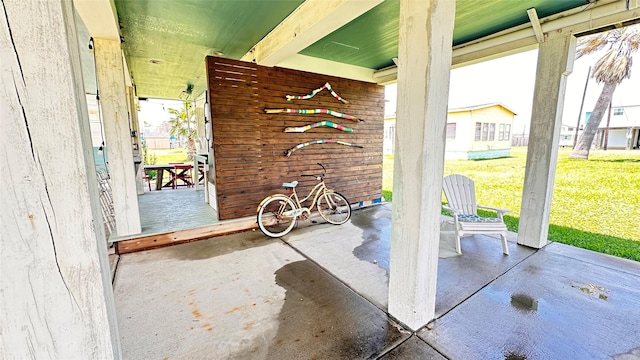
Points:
(499, 211)
(453, 211)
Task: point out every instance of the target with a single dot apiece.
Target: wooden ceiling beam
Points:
(310, 22)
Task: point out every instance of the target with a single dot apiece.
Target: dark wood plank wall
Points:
(249, 145)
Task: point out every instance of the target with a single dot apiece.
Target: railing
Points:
(106, 202)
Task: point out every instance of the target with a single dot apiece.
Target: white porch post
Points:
(56, 299)
(555, 63)
(426, 30)
(113, 102)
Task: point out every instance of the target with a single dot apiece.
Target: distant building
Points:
(623, 129)
(474, 132)
(567, 134)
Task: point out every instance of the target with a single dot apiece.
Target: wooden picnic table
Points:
(161, 168)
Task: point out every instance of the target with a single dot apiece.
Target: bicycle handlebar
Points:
(320, 177)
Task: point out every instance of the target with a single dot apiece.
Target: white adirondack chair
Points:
(461, 197)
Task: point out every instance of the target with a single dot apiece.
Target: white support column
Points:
(426, 30)
(113, 102)
(56, 299)
(555, 63)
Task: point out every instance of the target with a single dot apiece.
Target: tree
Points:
(613, 67)
(183, 125)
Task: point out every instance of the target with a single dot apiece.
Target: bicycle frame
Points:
(319, 189)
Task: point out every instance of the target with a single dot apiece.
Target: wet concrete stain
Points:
(376, 236)
(323, 319)
(630, 355)
(593, 290)
(217, 246)
(514, 356)
(524, 302)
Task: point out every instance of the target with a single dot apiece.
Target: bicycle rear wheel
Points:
(275, 217)
(334, 208)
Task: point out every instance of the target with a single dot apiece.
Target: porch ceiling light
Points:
(535, 22)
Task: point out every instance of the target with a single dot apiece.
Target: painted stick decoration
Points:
(312, 111)
(323, 141)
(314, 92)
(318, 124)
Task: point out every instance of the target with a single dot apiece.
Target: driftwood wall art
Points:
(249, 144)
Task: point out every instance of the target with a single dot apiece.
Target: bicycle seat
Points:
(290, 185)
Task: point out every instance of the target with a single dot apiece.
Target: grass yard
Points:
(165, 156)
(596, 203)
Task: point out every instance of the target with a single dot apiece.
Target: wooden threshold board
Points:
(184, 236)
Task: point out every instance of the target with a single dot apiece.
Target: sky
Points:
(154, 111)
(510, 80)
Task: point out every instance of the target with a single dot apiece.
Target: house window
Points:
(507, 132)
(485, 131)
(501, 132)
(618, 111)
(492, 132)
(451, 131)
(478, 131)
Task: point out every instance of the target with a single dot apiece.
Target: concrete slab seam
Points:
(435, 347)
(594, 263)
(477, 291)
(394, 346)
(401, 342)
(439, 351)
(115, 271)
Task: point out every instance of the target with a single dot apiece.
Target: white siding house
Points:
(623, 129)
(567, 134)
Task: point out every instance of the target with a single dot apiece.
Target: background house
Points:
(621, 130)
(567, 135)
(473, 132)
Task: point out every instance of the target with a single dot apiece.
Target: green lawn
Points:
(596, 203)
(165, 156)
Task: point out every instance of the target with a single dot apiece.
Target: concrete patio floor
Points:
(321, 293)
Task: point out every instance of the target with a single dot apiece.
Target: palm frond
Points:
(183, 122)
(590, 44)
(615, 65)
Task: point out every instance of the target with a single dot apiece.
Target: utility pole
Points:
(584, 93)
(606, 130)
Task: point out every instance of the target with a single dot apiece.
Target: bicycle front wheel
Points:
(334, 208)
(276, 216)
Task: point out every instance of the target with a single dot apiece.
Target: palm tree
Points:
(183, 125)
(613, 67)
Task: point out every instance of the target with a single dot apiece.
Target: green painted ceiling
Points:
(179, 34)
